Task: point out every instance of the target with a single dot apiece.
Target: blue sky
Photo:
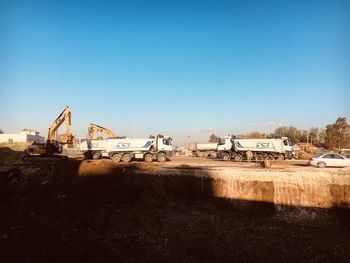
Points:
(175, 67)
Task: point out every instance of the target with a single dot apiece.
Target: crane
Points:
(96, 128)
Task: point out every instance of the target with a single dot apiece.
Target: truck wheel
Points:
(161, 157)
(321, 165)
(238, 158)
(148, 158)
(270, 157)
(96, 155)
(116, 158)
(280, 157)
(259, 157)
(126, 158)
(225, 156)
(87, 155)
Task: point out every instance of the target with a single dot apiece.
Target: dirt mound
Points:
(9, 156)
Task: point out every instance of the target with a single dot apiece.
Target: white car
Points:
(330, 159)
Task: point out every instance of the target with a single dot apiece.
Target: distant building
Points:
(26, 135)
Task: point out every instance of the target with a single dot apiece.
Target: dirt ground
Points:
(97, 211)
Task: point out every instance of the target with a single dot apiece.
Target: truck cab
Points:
(224, 144)
(287, 146)
(163, 143)
(224, 149)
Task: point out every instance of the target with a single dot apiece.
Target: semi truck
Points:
(126, 149)
(231, 148)
(203, 149)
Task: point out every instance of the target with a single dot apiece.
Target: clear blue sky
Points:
(175, 67)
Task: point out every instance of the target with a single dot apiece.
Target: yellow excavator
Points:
(52, 145)
(92, 128)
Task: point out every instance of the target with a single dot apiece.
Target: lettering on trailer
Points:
(123, 145)
(262, 145)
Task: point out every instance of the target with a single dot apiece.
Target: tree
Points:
(256, 135)
(322, 135)
(337, 134)
(1, 132)
(213, 138)
(291, 132)
(316, 135)
(303, 136)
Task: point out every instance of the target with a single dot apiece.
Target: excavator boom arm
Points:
(65, 116)
(96, 128)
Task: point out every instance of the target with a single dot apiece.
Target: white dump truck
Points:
(203, 149)
(126, 149)
(230, 148)
(93, 149)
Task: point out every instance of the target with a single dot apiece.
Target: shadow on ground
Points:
(57, 213)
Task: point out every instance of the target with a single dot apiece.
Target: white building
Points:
(25, 135)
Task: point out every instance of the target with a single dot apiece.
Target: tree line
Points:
(333, 136)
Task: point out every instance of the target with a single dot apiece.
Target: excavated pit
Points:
(88, 211)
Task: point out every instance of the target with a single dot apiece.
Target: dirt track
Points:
(93, 211)
(197, 162)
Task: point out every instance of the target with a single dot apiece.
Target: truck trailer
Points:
(230, 148)
(126, 149)
(203, 149)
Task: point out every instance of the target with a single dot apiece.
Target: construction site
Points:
(174, 131)
(129, 200)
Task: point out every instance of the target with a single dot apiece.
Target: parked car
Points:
(330, 159)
